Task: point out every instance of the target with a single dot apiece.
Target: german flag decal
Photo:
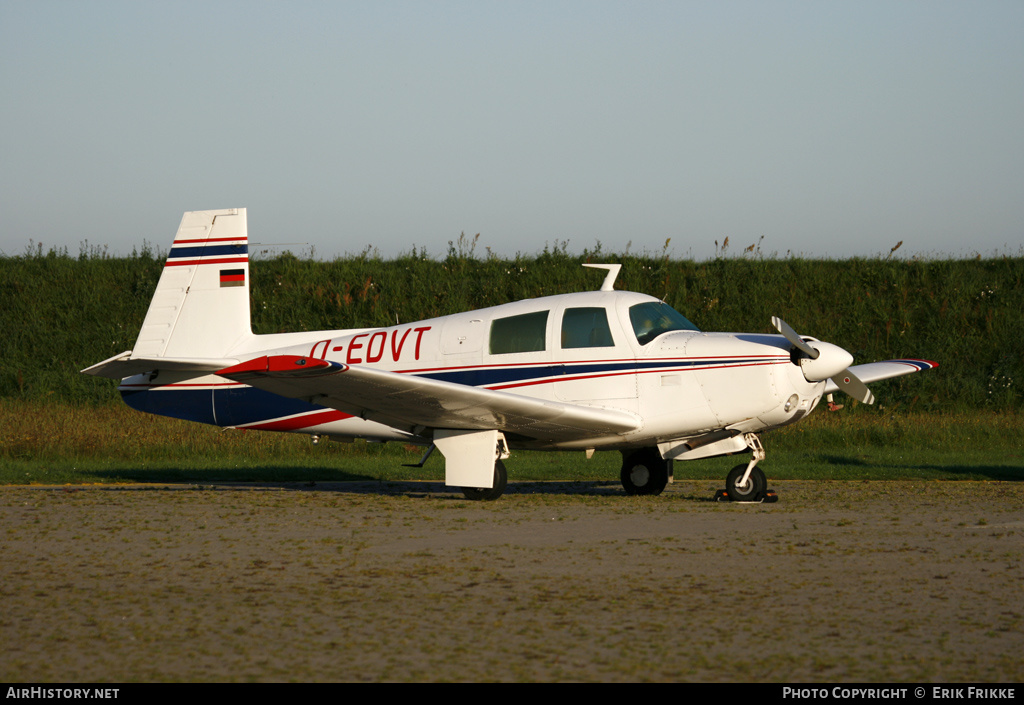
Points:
(232, 277)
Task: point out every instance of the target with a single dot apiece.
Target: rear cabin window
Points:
(516, 334)
(586, 328)
(653, 318)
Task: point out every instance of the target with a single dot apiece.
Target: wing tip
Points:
(280, 366)
(921, 365)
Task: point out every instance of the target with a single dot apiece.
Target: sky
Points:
(811, 128)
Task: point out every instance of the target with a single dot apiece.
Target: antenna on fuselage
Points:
(613, 271)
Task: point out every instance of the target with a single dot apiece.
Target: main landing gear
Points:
(644, 471)
(489, 494)
(470, 458)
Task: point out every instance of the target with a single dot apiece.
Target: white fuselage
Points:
(681, 384)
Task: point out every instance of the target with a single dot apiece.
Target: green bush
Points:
(61, 313)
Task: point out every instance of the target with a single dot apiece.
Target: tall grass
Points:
(60, 313)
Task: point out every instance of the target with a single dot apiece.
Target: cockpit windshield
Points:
(652, 318)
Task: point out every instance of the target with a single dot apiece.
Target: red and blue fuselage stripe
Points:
(568, 371)
(239, 405)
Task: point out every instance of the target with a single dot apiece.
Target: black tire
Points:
(489, 494)
(753, 491)
(644, 472)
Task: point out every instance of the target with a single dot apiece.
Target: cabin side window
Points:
(586, 328)
(516, 334)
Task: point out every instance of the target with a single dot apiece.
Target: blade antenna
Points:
(613, 271)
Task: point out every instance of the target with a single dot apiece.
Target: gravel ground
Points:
(838, 581)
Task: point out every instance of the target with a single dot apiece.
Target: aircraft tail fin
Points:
(201, 305)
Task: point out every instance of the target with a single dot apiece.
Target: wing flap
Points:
(406, 401)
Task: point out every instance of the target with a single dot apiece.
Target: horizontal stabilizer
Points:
(405, 400)
(124, 365)
(875, 371)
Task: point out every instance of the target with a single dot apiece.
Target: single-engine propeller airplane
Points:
(598, 370)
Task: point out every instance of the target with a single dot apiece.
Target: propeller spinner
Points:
(821, 361)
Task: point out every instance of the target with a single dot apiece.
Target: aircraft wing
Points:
(407, 401)
(875, 371)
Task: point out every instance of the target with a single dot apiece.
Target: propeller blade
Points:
(849, 383)
(823, 369)
(792, 336)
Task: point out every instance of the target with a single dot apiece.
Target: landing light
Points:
(791, 403)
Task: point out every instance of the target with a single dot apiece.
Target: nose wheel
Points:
(746, 482)
(741, 486)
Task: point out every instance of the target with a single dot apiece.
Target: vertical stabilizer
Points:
(201, 305)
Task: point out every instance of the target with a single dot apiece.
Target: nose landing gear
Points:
(747, 482)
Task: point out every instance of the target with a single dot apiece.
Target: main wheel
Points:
(752, 490)
(489, 494)
(644, 472)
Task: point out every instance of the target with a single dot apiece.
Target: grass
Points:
(61, 313)
(59, 443)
